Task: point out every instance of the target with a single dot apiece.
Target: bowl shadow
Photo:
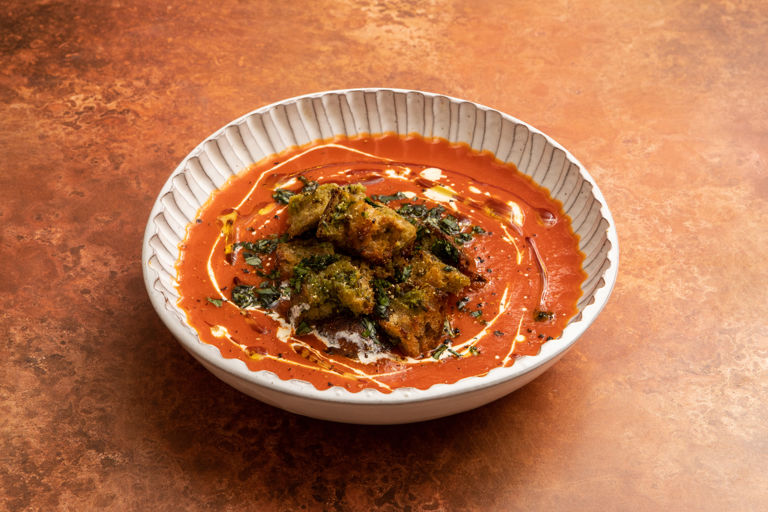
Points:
(232, 447)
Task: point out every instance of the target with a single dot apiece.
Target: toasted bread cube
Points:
(351, 285)
(305, 209)
(341, 286)
(290, 254)
(427, 268)
(375, 233)
(415, 326)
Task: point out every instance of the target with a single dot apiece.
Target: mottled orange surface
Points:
(662, 405)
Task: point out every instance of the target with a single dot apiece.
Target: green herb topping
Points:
(265, 296)
(446, 252)
(302, 329)
(369, 329)
(309, 185)
(394, 197)
(282, 195)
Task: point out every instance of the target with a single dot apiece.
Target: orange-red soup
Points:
(529, 256)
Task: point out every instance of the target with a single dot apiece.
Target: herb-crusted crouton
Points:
(416, 321)
(353, 260)
(292, 253)
(428, 269)
(305, 209)
(376, 233)
(324, 285)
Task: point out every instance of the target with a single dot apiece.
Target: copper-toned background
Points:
(660, 406)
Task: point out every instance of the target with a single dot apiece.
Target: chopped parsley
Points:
(445, 251)
(272, 276)
(282, 195)
(442, 348)
(439, 351)
(450, 331)
(215, 302)
(461, 304)
(449, 225)
(265, 296)
(263, 246)
(399, 196)
(317, 262)
(369, 329)
(309, 185)
(381, 308)
(417, 211)
(303, 328)
(253, 260)
(462, 238)
(435, 213)
(404, 273)
(414, 299)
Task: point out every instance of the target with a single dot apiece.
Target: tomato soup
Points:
(523, 247)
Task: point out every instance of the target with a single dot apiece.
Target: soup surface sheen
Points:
(528, 255)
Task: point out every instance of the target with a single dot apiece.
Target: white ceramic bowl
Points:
(323, 115)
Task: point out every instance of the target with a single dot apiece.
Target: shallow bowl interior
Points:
(318, 116)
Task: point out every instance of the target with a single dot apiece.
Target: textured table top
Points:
(660, 406)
